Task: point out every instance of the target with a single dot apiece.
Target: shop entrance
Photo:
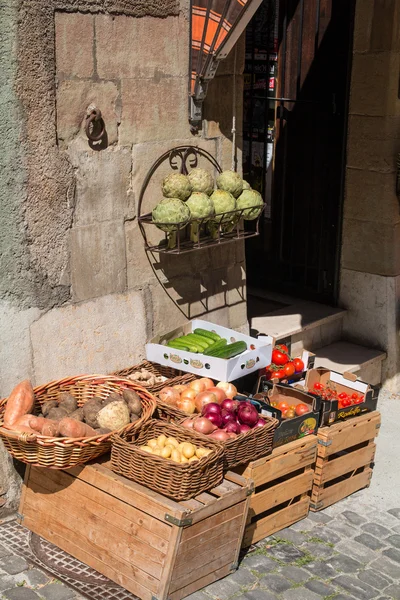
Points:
(295, 116)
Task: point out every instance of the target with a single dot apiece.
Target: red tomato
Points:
(279, 358)
(279, 374)
(318, 386)
(283, 348)
(283, 406)
(354, 396)
(298, 365)
(346, 402)
(343, 396)
(358, 400)
(289, 369)
(302, 409)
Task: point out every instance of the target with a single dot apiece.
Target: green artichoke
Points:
(170, 215)
(252, 201)
(201, 181)
(246, 185)
(231, 182)
(176, 185)
(224, 202)
(201, 207)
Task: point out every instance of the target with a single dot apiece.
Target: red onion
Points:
(260, 423)
(247, 414)
(227, 417)
(232, 427)
(215, 419)
(212, 407)
(229, 404)
(244, 428)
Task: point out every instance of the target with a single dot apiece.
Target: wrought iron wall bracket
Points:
(94, 125)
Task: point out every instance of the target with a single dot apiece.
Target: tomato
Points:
(289, 369)
(358, 400)
(354, 396)
(289, 414)
(346, 402)
(343, 396)
(283, 406)
(279, 358)
(273, 404)
(319, 386)
(302, 409)
(282, 348)
(279, 374)
(298, 365)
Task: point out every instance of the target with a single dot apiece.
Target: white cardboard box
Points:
(256, 357)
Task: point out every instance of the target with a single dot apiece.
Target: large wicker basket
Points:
(173, 376)
(248, 446)
(177, 481)
(62, 452)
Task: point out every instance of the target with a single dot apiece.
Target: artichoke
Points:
(170, 215)
(201, 181)
(224, 202)
(252, 201)
(201, 207)
(176, 185)
(231, 182)
(246, 185)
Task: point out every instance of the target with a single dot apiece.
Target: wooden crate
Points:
(345, 457)
(283, 482)
(150, 545)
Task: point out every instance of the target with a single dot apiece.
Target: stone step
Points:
(343, 357)
(303, 324)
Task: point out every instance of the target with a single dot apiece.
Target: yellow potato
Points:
(161, 440)
(200, 452)
(152, 443)
(184, 459)
(180, 446)
(172, 442)
(188, 450)
(157, 451)
(166, 451)
(193, 459)
(147, 449)
(176, 455)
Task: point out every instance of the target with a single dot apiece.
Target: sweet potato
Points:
(47, 406)
(133, 401)
(37, 423)
(67, 401)
(23, 425)
(19, 403)
(74, 429)
(51, 428)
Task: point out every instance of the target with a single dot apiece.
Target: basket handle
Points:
(19, 436)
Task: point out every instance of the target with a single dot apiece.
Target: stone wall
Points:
(370, 274)
(78, 293)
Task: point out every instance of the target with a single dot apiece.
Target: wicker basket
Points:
(177, 481)
(62, 452)
(248, 446)
(174, 377)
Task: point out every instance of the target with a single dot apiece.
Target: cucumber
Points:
(187, 340)
(199, 338)
(215, 347)
(231, 350)
(207, 334)
(180, 345)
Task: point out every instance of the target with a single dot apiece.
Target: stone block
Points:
(363, 26)
(16, 365)
(174, 305)
(100, 336)
(13, 564)
(74, 44)
(143, 157)
(141, 48)
(138, 262)
(73, 99)
(98, 262)
(371, 196)
(11, 481)
(373, 89)
(154, 110)
(20, 593)
(103, 183)
(57, 591)
(371, 247)
(373, 143)
(385, 26)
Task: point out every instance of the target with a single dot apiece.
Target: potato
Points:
(102, 431)
(193, 459)
(172, 442)
(113, 397)
(114, 416)
(161, 440)
(134, 418)
(71, 428)
(184, 459)
(133, 401)
(68, 402)
(90, 411)
(156, 451)
(176, 456)
(147, 449)
(47, 406)
(166, 451)
(77, 414)
(188, 450)
(51, 429)
(200, 452)
(56, 414)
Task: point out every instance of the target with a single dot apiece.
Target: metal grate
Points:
(57, 563)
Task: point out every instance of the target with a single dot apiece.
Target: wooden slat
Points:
(75, 493)
(166, 575)
(195, 546)
(235, 478)
(76, 544)
(213, 521)
(96, 534)
(202, 582)
(281, 492)
(310, 441)
(349, 433)
(211, 561)
(324, 497)
(23, 492)
(327, 470)
(191, 504)
(205, 498)
(258, 530)
(219, 505)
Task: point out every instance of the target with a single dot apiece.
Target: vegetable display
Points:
(196, 395)
(208, 343)
(170, 448)
(289, 407)
(282, 365)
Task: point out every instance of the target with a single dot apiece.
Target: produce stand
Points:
(282, 488)
(345, 457)
(152, 546)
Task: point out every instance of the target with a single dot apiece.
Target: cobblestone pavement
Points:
(350, 550)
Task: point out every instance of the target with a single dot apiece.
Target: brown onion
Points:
(203, 425)
(197, 385)
(220, 394)
(188, 423)
(207, 382)
(169, 396)
(204, 398)
(220, 435)
(186, 405)
(229, 389)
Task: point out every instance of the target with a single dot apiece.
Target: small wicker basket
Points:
(62, 452)
(248, 446)
(177, 481)
(173, 376)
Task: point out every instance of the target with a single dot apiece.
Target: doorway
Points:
(298, 59)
